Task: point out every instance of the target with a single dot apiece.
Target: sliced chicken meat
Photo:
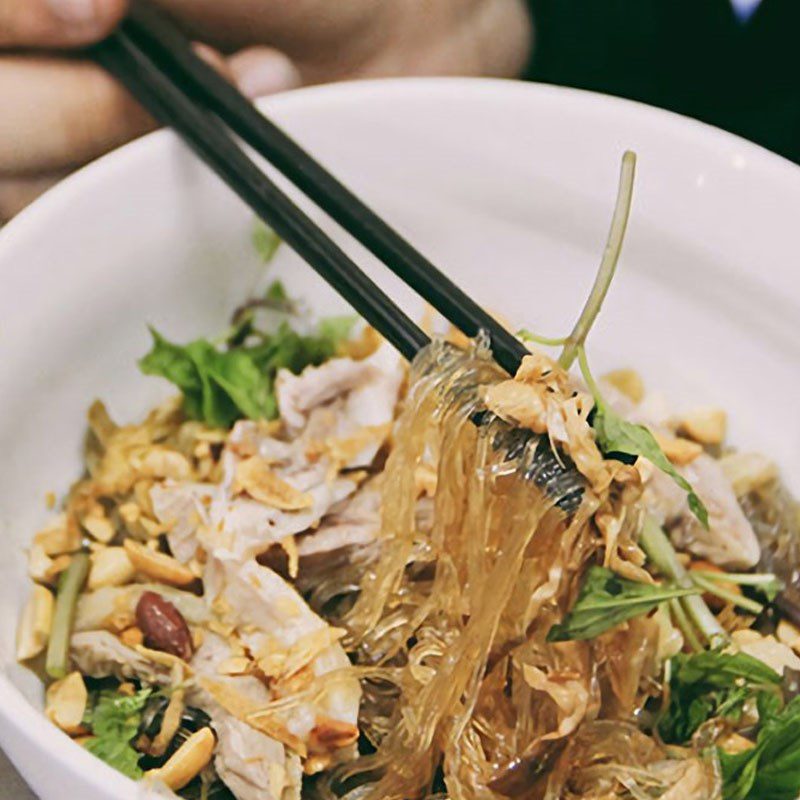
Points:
(208, 516)
(341, 399)
(730, 541)
(286, 638)
(254, 765)
(100, 654)
(351, 526)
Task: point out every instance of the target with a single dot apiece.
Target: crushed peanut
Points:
(158, 566)
(34, 625)
(704, 425)
(65, 703)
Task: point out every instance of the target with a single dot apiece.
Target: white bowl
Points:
(509, 187)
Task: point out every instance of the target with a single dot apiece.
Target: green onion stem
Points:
(739, 578)
(720, 591)
(608, 264)
(684, 624)
(660, 551)
(70, 584)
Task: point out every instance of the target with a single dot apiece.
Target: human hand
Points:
(60, 111)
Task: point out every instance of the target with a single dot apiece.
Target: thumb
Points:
(57, 23)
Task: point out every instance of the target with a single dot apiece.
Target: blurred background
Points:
(726, 62)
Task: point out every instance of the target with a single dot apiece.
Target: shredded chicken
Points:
(252, 765)
(284, 636)
(341, 400)
(100, 654)
(730, 541)
(352, 525)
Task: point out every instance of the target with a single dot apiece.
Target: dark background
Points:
(691, 56)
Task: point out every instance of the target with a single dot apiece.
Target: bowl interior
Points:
(508, 187)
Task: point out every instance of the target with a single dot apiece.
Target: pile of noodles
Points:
(464, 696)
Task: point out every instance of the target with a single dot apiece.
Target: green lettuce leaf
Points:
(114, 720)
(220, 386)
(606, 600)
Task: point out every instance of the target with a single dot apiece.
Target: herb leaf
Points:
(220, 386)
(114, 719)
(771, 769)
(712, 684)
(616, 435)
(606, 600)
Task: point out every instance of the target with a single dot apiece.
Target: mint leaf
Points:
(713, 684)
(114, 720)
(265, 241)
(606, 600)
(616, 435)
(770, 770)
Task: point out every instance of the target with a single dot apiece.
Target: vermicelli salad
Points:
(319, 573)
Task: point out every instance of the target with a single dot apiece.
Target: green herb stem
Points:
(685, 625)
(529, 336)
(660, 551)
(739, 578)
(608, 264)
(69, 587)
(725, 594)
(583, 362)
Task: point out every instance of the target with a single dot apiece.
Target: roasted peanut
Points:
(158, 566)
(189, 760)
(132, 636)
(59, 537)
(111, 566)
(100, 527)
(163, 626)
(34, 625)
(704, 425)
(627, 381)
(678, 450)
(65, 703)
(332, 734)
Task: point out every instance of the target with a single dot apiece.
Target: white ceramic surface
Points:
(509, 187)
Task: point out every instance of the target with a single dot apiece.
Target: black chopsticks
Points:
(209, 139)
(158, 65)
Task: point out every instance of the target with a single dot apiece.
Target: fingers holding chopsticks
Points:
(60, 111)
(57, 23)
